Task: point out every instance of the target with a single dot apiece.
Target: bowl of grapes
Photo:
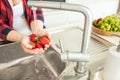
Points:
(107, 26)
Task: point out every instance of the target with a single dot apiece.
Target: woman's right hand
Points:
(27, 47)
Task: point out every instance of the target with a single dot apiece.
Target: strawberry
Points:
(38, 42)
(33, 37)
(39, 45)
(44, 40)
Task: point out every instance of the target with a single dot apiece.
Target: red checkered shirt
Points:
(6, 16)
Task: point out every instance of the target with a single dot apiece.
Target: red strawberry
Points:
(33, 37)
(38, 42)
(39, 45)
(44, 40)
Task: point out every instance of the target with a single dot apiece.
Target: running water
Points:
(38, 59)
(38, 56)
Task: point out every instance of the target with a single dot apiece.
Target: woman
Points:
(17, 21)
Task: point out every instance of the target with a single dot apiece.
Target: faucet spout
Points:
(71, 7)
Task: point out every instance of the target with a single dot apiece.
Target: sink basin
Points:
(72, 41)
(17, 65)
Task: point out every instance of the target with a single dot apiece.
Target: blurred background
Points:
(99, 8)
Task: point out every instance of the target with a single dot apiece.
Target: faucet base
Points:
(81, 68)
(77, 74)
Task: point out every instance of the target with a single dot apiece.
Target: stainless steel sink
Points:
(71, 38)
(17, 65)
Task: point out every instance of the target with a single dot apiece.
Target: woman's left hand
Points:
(43, 32)
(37, 28)
(28, 48)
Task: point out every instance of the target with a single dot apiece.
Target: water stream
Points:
(41, 68)
(38, 58)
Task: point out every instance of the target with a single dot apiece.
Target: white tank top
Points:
(19, 23)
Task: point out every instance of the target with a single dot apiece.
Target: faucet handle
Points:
(61, 46)
(73, 56)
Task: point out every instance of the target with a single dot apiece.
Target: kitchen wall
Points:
(99, 8)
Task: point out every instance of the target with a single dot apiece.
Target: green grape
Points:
(109, 23)
(119, 26)
(115, 29)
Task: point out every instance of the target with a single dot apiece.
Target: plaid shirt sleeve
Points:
(6, 17)
(29, 13)
(5, 23)
(4, 30)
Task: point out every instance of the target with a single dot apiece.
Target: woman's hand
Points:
(37, 28)
(27, 47)
(43, 32)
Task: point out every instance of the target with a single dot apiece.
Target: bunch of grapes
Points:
(109, 23)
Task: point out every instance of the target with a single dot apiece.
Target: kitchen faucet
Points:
(83, 57)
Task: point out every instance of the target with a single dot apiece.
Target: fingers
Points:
(25, 43)
(46, 47)
(28, 46)
(34, 51)
(37, 51)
